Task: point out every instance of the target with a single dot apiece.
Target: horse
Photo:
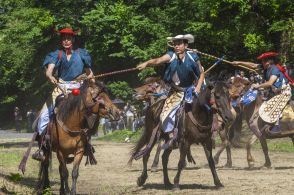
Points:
(237, 85)
(156, 86)
(69, 135)
(193, 128)
(248, 112)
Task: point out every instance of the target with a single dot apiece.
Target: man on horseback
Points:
(184, 74)
(70, 62)
(276, 79)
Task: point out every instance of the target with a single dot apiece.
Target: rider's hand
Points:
(53, 80)
(142, 66)
(197, 89)
(254, 86)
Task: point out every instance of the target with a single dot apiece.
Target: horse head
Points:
(220, 101)
(238, 86)
(97, 101)
(152, 86)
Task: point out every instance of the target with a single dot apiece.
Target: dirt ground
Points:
(112, 175)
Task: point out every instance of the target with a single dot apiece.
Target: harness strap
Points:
(194, 121)
(68, 130)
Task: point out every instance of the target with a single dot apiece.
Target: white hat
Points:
(188, 37)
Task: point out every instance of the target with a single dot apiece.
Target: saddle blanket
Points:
(270, 111)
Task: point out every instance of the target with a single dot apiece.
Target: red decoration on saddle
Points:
(75, 92)
(267, 55)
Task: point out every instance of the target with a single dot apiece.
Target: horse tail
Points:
(140, 144)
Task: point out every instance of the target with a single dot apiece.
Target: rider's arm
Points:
(49, 73)
(246, 64)
(201, 78)
(89, 73)
(268, 83)
(156, 61)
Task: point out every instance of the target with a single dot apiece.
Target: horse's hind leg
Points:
(184, 148)
(44, 182)
(75, 171)
(224, 140)
(63, 172)
(156, 158)
(165, 157)
(265, 152)
(208, 152)
(249, 143)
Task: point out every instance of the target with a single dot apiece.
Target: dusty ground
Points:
(112, 176)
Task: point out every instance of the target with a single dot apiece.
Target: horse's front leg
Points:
(75, 171)
(63, 172)
(44, 182)
(265, 152)
(184, 148)
(156, 158)
(250, 142)
(164, 160)
(208, 152)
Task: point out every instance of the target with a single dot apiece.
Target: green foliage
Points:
(147, 72)
(121, 34)
(121, 89)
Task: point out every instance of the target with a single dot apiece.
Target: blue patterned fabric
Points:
(69, 70)
(274, 70)
(249, 97)
(187, 70)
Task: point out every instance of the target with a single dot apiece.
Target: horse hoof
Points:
(219, 185)
(176, 188)
(153, 169)
(251, 165)
(228, 165)
(141, 181)
(267, 165)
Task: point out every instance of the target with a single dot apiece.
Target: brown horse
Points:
(69, 135)
(256, 125)
(193, 128)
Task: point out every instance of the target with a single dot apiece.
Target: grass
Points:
(121, 135)
(279, 145)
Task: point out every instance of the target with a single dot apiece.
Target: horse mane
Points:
(241, 80)
(72, 103)
(203, 97)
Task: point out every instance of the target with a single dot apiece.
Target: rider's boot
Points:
(38, 155)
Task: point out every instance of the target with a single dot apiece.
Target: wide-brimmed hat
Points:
(267, 55)
(68, 31)
(188, 37)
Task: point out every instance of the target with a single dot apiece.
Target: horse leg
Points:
(249, 143)
(44, 182)
(156, 158)
(208, 152)
(63, 172)
(75, 171)
(184, 148)
(229, 156)
(223, 146)
(144, 175)
(265, 152)
(164, 160)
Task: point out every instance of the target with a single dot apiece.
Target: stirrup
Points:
(38, 155)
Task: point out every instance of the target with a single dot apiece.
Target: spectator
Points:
(30, 119)
(17, 118)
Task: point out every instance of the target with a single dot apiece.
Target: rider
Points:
(183, 71)
(274, 78)
(70, 62)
